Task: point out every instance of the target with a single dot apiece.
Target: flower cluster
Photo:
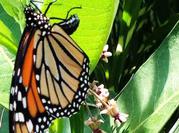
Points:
(103, 102)
(106, 105)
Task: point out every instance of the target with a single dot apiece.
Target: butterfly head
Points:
(37, 20)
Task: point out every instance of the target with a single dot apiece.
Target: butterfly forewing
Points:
(51, 76)
(63, 73)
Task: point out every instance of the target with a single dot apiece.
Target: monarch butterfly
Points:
(51, 74)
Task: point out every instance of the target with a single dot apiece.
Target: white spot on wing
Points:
(12, 90)
(39, 120)
(38, 89)
(18, 72)
(37, 77)
(29, 125)
(44, 119)
(43, 101)
(21, 117)
(24, 103)
(14, 105)
(16, 88)
(11, 107)
(16, 117)
(34, 57)
(37, 128)
(19, 96)
(20, 79)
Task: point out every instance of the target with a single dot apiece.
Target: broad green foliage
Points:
(152, 94)
(91, 36)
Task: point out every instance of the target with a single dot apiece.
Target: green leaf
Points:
(128, 22)
(77, 122)
(152, 95)
(4, 125)
(15, 9)
(60, 126)
(95, 23)
(10, 31)
(6, 66)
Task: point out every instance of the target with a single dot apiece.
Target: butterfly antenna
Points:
(49, 6)
(32, 1)
(79, 7)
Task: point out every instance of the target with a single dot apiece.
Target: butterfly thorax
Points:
(37, 20)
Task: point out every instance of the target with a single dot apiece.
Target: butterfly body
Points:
(71, 24)
(50, 77)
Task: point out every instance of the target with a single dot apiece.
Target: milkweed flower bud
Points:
(105, 54)
(113, 110)
(94, 124)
